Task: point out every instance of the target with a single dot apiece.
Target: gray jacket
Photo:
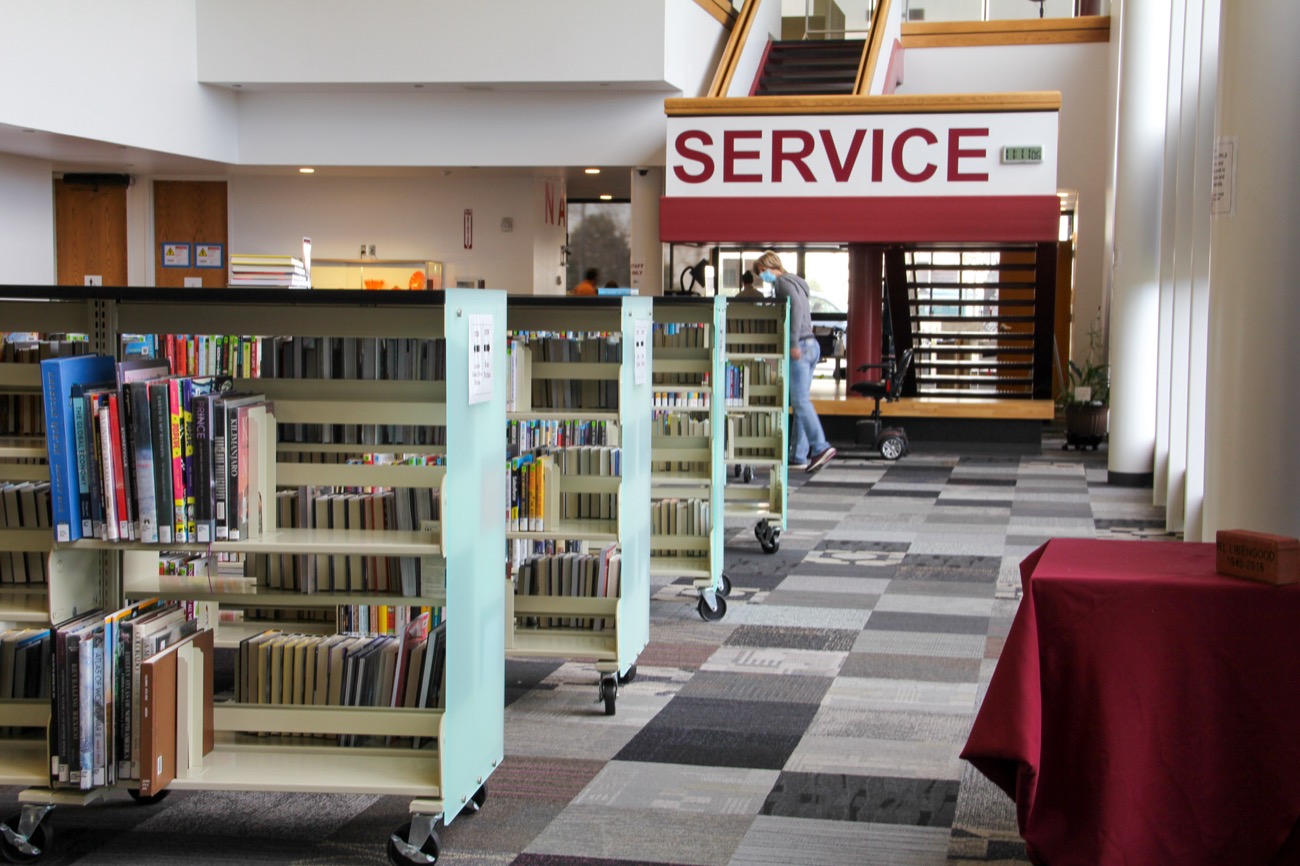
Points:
(792, 286)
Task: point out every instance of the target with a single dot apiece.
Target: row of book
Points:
(531, 434)
(526, 350)
(766, 338)
(138, 454)
(233, 355)
(21, 414)
(680, 399)
(570, 575)
(346, 670)
(109, 715)
(268, 271)
(676, 518)
(24, 662)
(767, 426)
(24, 505)
(681, 335)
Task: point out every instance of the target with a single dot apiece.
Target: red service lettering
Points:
(956, 152)
(795, 158)
(705, 161)
(899, 143)
(730, 154)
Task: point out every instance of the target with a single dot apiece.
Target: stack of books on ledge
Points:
(283, 272)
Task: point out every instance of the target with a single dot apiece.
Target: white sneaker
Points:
(821, 460)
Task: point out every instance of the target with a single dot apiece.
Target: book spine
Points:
(202, 475)
(180, 522)
(83, 466)
(187, 458)
(220, 529)
(126, 444)
(105, 431)
(60, 442)
(86, 711)
(99, 704)
(112, 433)
(160, 415)
(145, 486)
(233, 464)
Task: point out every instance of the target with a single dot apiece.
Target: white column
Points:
(1252, 477)
(647, 251)
(1135, 278)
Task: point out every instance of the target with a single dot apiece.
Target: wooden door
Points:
(90, 233)
(189, 222)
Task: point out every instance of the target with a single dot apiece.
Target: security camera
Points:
(643, 171)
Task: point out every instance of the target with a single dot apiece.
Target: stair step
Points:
(918, 317)
(965, 365)
(802, 89)
(983, 351)
(977, 380)
(982, 394)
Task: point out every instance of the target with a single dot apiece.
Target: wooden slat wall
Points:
(90, 233)
(193, 212)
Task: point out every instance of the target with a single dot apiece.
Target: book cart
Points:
(282, 747)
(758, 402)
(688, 473)
(605, 386)
(24, 603)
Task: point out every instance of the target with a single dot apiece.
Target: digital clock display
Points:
(1022, 153)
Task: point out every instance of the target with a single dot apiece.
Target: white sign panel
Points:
(480, 358)
(640, 351)
(860, 155)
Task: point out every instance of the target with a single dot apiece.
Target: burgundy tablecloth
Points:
(1146, 711)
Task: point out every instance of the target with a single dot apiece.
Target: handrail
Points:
(726, 70)
(938, 103)
(947, 34)
(720, 9)
(873, 48)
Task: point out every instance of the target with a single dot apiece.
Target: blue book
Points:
(58, 377)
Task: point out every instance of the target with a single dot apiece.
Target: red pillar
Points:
(866, 270)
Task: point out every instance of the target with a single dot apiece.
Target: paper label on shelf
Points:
(480, 358)
(640, 351)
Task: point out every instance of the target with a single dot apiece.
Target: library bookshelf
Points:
(758, 402)
(688, 472)
(292, 747)
(26, 545)
(577, 365)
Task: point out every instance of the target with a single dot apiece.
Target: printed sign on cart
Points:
(480, 358)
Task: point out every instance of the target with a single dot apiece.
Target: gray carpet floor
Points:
(818, 723)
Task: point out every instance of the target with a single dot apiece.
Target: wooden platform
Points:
(831, 398)
(1013, 426)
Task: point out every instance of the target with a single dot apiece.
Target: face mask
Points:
(767, 277)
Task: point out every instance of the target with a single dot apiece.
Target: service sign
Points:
(860, 155)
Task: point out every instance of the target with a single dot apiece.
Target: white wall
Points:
(26, 222)
(486, 41)
(1080, 73)
(418, 217)
(123, 73)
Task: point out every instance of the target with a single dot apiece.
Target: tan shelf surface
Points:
(556, 415)
(325, 542)
(24, 606)
(563, 643)
(22, 447)
(752, 510)
(38, 539)
(563, 605)
(281, 597)
(603, 531)
(24, 762)
(696, 567)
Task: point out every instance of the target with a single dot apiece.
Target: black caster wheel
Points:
(629, 676)
(737, 471)
(769, 537)
(725, 589)
(712, 614)
(402, 853)
(16, 849)
(476, 802)
(608, 693)
(147, 799)
(892, 447)
(746, 474)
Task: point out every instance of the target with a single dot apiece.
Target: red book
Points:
(119, 468)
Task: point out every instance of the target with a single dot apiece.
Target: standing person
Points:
(588, 284)
(811, 451)
(747, 288)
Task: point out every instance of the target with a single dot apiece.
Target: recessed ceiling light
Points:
(591, 171)
(606, 197)
(305, 170)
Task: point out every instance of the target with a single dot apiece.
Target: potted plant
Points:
(1086, 397)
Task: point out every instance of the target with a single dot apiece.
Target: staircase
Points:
(808, 67)
(977, 317)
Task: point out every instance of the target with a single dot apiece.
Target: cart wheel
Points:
(476, 802)
(725, 589)
(747, 474)
(17, 849)
(892, 447)
(402, 853)
(608, 693)
(712, 614)
(769, 537)
(629, 676)
(147, 799)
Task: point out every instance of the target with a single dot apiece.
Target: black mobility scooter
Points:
(889, 442)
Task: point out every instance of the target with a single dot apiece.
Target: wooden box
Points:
(1257, 556)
